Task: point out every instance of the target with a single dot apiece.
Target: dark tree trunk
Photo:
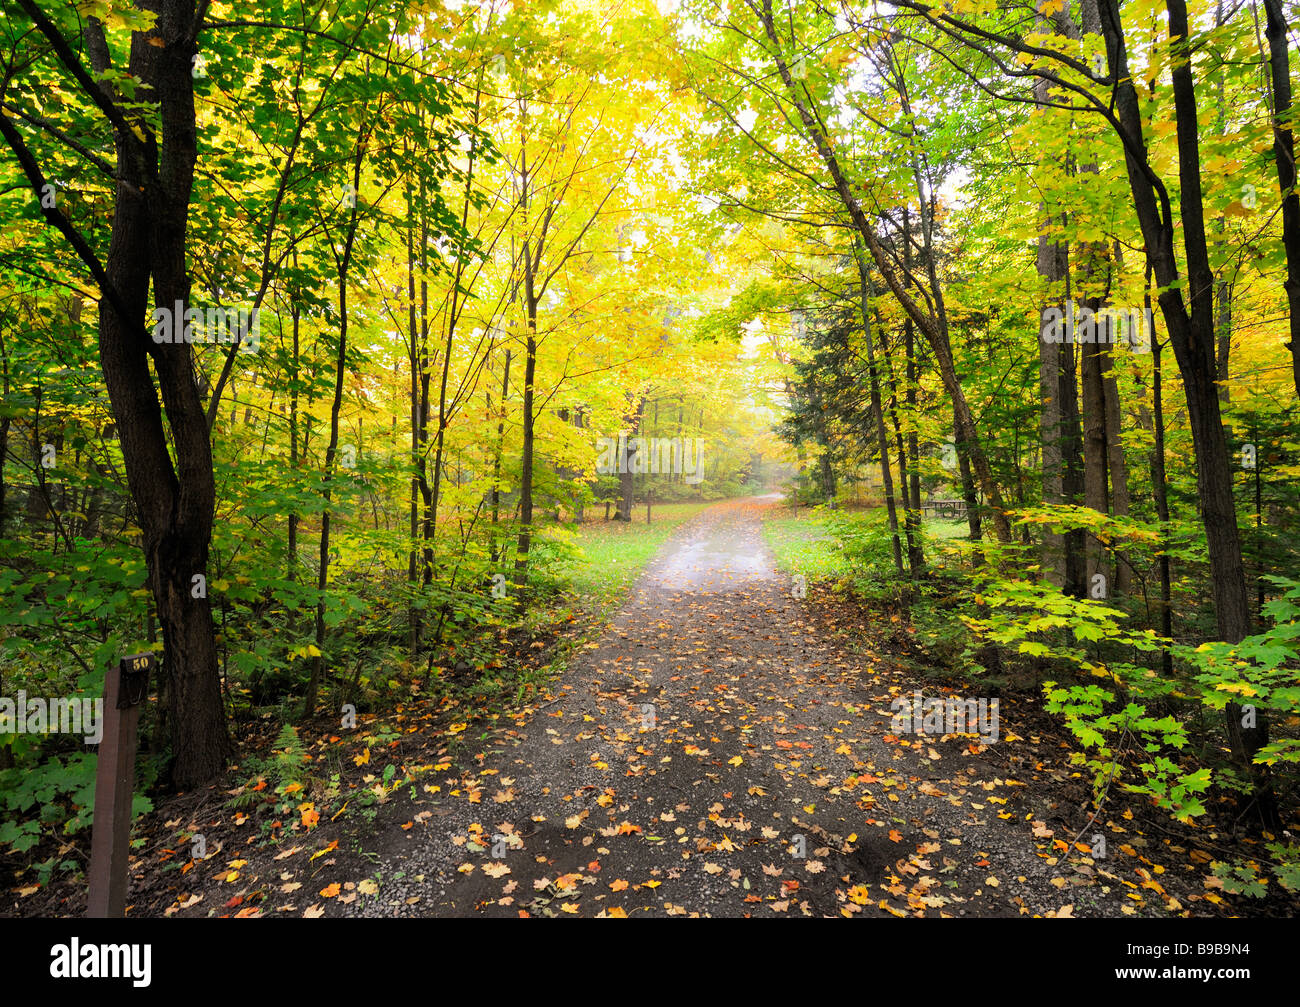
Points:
(526, 477)
(1094, 451)
(496, 459)
(1275, 31)
(877, 412)
(173, 505)
(628, 463)
(344, 263)
(1191, 329)
(295, 314)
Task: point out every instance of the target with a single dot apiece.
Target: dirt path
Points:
(722, 752)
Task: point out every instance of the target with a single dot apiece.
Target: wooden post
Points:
(649, 495)
(125, 688)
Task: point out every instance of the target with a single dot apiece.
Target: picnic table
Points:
(945, 508)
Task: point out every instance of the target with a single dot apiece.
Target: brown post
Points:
(125, 688)
(649, 495)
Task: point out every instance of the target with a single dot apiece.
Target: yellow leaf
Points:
(325, 849)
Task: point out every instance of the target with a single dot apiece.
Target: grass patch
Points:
(802, 543)
(612, 554)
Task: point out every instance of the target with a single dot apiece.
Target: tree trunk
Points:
(1094, 455)
(878, 414)
(496, 458)
(629, 462)
(1116, 464)
(1160, 488)
(295, 314)
(1052, 262)
(526, 477)
(344, 262)
(1275, 31)
(916, 561)
(173, 505)
(1191, 332)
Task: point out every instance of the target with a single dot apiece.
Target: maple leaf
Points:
(313, 912)
(617, 886)
(330, 891)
